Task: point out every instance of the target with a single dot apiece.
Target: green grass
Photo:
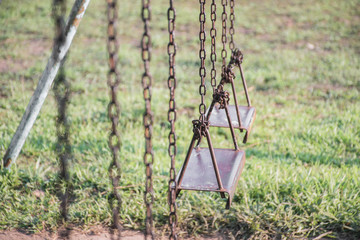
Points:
(301, 178)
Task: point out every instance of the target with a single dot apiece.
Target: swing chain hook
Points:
(199, 128)
(237, 57)
(227, 75)
(222, 97)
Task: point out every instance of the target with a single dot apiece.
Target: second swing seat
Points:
(247, 116)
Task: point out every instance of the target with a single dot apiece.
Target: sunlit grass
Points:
(301, 178)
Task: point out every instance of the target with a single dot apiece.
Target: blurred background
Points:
(301, 61)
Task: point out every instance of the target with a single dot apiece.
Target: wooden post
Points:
(45, 82)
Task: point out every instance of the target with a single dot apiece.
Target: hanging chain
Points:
(224, 35)
(202, 55)
(172, 81)
(62, 95)
(232, 22)
(148, 120)
(213, 44)
(113, 81)
(63, 147)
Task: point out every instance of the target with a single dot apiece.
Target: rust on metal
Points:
(79, 15)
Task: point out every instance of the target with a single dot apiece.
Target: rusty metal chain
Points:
(222, 97)
(147, 120)
(62, 96)
(227, 75)
(199, 128)
(232, 22)
(172, 81)
(224, 34)
(113, 81)
(213, 44)
(63, 147)
(202, 55)
(237, 57)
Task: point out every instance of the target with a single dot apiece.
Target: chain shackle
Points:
(172, 148)
(114, 141)
(148, 119)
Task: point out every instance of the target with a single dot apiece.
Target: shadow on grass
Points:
(304, 157)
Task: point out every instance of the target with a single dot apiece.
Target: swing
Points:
(219, 114)
(204, 169)
(209, 168)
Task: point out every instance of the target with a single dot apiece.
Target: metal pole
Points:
(245, 86)
(44, 85)
(213, 158)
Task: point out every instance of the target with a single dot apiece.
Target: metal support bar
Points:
(182, 171)
(44, 85)
(236, 103)
(213, 158)
(245, 85)
(231, 127)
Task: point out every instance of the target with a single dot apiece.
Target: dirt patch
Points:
(13, 65)
(18, 235)
(95, 233)
(33, 47)
(26, 53)
(37, 47)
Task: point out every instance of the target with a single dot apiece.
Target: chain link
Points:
(232, 22)
(147, 120)
(63, 147)
(213, 45)
(224, 35)
(113, 81)
(202, 55)
(172, 81)
(62, 96)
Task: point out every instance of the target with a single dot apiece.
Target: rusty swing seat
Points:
(247, 116)
(200, 174)
(242, 117)
(210, 169)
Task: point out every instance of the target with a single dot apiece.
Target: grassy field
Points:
(302, 175)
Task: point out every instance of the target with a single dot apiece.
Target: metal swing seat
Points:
(242, 117)
(208, 168)
(211, 169)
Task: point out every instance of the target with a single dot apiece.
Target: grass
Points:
(301, 178)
